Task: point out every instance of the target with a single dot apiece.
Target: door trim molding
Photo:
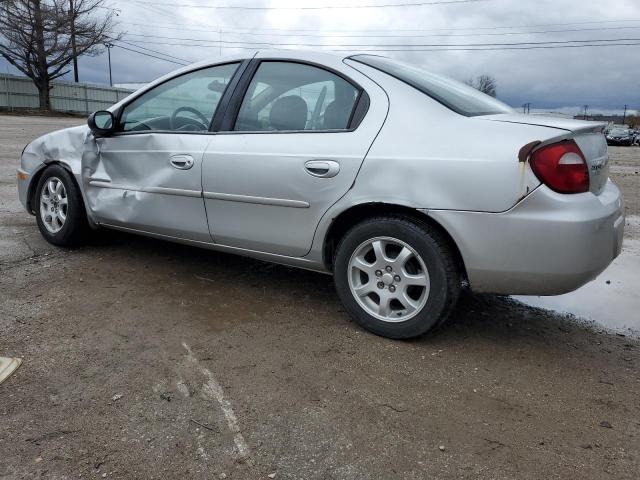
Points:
(279, 202)
(162, 190)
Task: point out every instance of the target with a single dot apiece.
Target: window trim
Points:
(242, 65)
(227, 125)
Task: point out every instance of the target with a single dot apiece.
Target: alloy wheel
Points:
(53, 204)
(388, 279)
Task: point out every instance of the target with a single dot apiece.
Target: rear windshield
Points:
(457, 96)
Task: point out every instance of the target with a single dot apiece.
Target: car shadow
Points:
(493, 318)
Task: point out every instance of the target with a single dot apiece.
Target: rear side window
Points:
(457, 96)
(288, 96)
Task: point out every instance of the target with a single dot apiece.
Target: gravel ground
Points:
(145, 359)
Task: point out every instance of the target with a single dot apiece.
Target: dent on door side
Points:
(142, 190)
(102, 201)
(110, 203)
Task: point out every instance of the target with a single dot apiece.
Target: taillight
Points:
(561, 167)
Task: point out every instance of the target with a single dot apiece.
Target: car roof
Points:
(308, 55)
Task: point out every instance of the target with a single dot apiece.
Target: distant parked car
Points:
(620, 135)
(348, 165)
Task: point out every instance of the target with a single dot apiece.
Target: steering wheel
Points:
(174, 117)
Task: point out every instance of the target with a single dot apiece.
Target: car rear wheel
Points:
(59, 208)
(396, 277)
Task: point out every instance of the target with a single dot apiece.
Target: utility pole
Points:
(109, 47)
(586, 107)
(526, 107)
(72, 20)
(624, 115)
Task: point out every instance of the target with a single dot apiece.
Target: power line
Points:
(155, 51)
(149, 55)
(217, 27)
(496, 48)
(325, 7)
(253, 33)
(243, 47)
(386, 45)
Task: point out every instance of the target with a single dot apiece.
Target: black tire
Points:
(75, 228)
(435, 251)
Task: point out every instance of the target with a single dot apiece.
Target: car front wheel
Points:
(396, 277)
(59, 208)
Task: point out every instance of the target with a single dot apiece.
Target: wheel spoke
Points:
(419, 279)
(58, 188)
(364, 289)
(407, 302)
(362, 265)
(384, 307)
(62, 216)
(63, 201)
(402, 257)
(51, 186)
(45, 200)
(378, 250)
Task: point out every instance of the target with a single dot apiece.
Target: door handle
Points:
(181, 162)
(322, 168)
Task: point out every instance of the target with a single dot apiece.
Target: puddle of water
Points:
(614, 305)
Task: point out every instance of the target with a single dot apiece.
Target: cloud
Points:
(606, 78)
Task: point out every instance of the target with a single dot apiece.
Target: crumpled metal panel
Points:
(66, 146)
(131, 183)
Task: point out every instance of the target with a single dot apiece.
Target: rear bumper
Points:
(548, 244)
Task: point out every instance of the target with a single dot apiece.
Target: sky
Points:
(561, 79)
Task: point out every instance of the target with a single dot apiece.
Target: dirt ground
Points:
(145, 359)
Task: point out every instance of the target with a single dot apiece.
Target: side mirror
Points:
(101, 123)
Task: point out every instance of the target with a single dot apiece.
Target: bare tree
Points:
(42, 37)
(484, 83)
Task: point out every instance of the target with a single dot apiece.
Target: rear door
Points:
(291, 147)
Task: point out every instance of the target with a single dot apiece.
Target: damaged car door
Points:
(147, 175)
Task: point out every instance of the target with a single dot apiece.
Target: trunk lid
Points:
(587, 135)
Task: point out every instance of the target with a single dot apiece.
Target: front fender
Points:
(70, 148)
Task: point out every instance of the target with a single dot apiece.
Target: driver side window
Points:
(183, 104)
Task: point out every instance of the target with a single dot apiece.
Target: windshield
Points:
(620, 131)
(457, 96)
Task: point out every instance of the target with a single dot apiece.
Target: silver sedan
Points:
(405, 185)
